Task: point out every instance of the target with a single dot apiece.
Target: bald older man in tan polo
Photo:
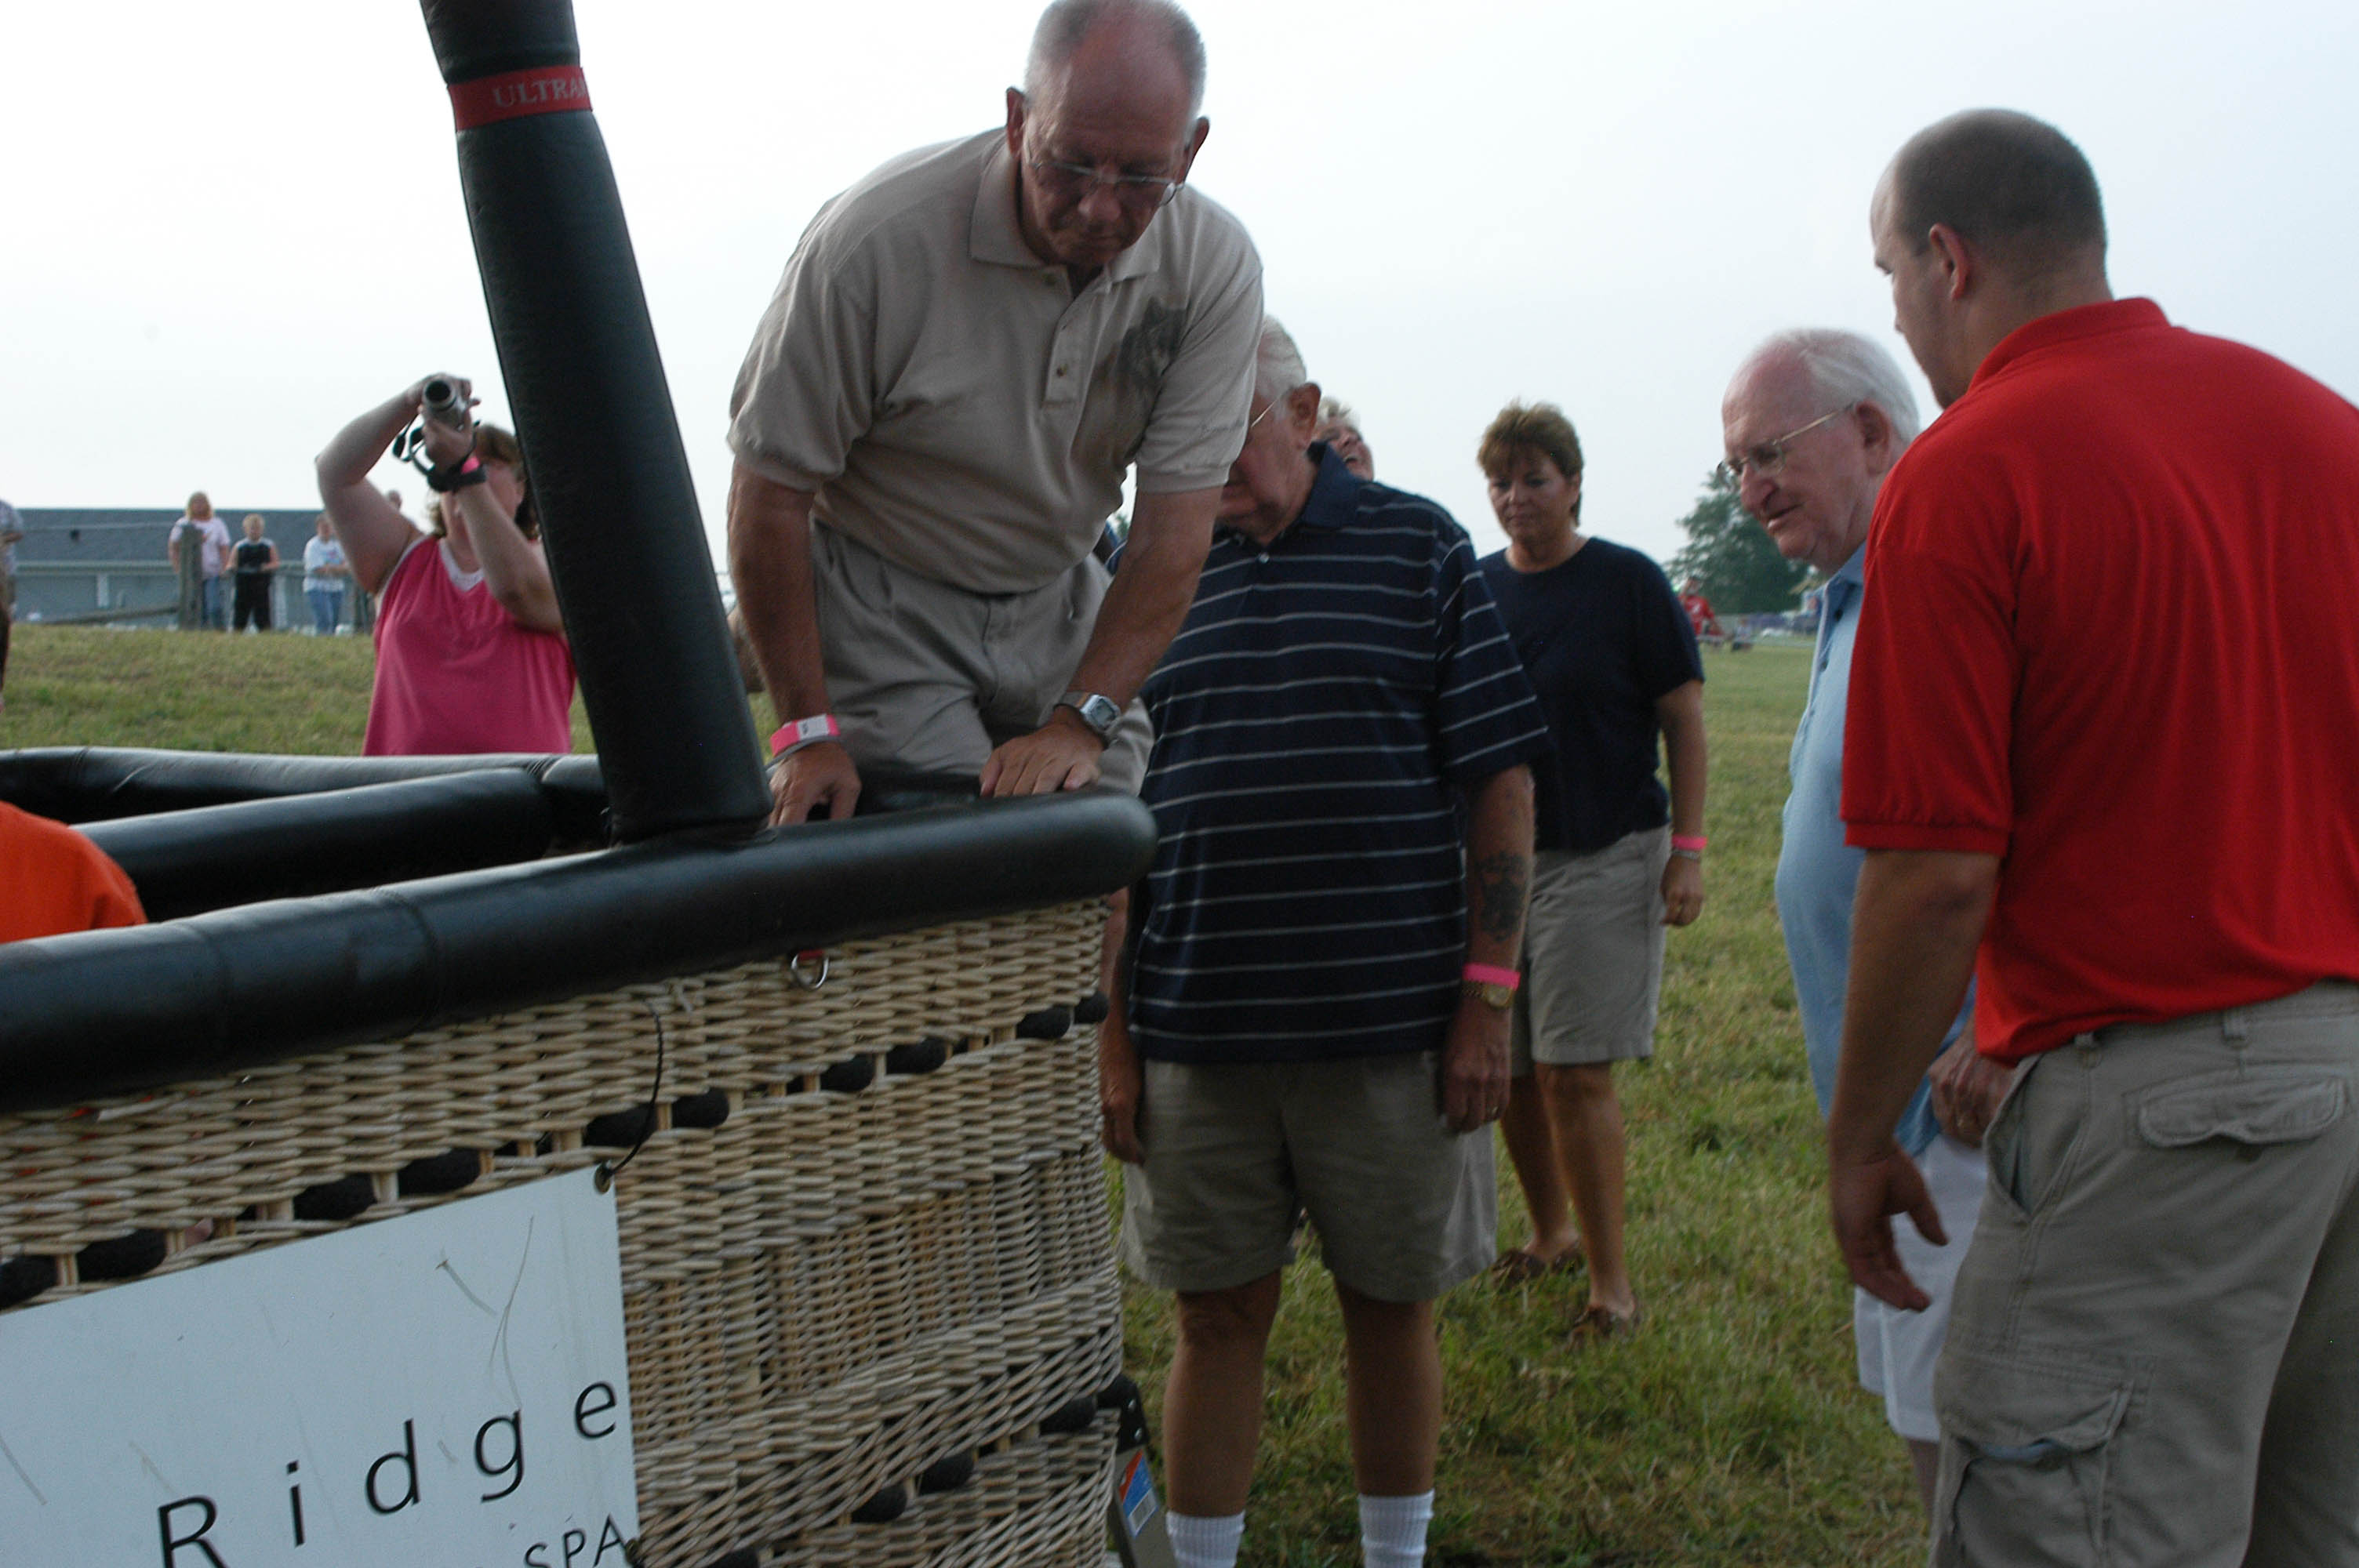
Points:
(970, 348)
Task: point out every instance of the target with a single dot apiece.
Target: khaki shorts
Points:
(2154, 1342)
(1235, 1154)
(1593, 955)
(925, 675)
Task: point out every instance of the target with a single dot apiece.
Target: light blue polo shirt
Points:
(1818, 872)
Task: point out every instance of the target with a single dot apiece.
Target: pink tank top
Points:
(455, 673)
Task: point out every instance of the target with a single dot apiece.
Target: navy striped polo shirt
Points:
(1315, 718)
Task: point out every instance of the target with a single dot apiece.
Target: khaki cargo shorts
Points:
(2154, 1340)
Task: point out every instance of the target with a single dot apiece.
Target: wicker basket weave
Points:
(891, 1250)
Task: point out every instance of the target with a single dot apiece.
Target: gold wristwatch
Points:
(1490, 993)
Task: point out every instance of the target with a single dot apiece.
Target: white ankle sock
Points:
(1205, 1543)
(1392, 1529)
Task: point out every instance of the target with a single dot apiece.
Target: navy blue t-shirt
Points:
(1602, 637)
(1328, 697)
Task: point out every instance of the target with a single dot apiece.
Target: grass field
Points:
(1730, 1429)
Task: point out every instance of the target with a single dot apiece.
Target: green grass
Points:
(1730, 1429)
(196, 691)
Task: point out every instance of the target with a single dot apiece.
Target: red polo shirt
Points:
(2113, 639)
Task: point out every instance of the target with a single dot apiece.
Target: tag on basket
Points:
(447, 1387)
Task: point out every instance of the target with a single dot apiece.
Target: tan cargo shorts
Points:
(925, 675)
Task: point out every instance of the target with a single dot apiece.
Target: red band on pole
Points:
(511, 95)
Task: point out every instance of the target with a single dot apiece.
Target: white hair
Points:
(1846, 369)
(1066, 23)
(1335, 411)
(1277, 363)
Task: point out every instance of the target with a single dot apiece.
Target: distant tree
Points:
(1741, 570)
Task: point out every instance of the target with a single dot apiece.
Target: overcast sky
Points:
(230, 227)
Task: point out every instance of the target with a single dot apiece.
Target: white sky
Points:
(230, 227)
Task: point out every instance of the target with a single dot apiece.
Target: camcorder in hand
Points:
(443, 401)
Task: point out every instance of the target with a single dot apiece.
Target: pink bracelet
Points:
(1688, 841)
(1491, 974)
(802, 732)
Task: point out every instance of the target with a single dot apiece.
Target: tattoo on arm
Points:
(1499, 882)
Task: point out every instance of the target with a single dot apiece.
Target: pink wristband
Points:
(801, 733)
(1688, 841)
(1491, 974)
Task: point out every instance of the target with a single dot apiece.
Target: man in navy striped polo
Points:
(1322, 960)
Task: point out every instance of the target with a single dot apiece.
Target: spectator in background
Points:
(211, 542)
(1615, 663)
(471, 653)
(254, 559)
(1340, 428)
(324, 577)
(11, 531)
(52, 879)
(1701, 617)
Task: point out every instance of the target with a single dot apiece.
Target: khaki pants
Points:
(2154, 1349)
(929, 676)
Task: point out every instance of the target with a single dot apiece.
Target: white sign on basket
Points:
(446, 1389)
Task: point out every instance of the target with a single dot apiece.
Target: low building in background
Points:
(84, 563)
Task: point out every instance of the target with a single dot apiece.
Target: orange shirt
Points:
(52, 879)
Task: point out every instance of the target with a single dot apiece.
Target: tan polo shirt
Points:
(956, 407)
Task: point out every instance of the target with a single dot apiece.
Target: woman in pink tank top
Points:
(471, 653)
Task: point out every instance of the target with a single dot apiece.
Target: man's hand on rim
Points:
(815, 781)
(1862, 1196)
(1063, 753)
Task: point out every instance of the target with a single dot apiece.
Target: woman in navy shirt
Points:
(1613, 661)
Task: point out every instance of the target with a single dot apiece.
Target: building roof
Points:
(134, 536)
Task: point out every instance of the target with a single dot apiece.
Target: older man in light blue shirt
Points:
(1813, 422)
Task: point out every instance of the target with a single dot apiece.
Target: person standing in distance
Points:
(211, 537)
(2098, 753)
(969, 349)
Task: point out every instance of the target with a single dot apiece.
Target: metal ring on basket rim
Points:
(800, 975)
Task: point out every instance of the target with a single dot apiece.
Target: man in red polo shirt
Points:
(2103, 726)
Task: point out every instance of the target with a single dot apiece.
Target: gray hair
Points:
(1846, 369)
(1277, 363)
(1066, 23)
(1335, 411)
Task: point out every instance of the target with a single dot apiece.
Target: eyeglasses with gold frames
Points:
(1768, 459)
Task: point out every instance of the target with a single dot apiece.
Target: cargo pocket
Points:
(2035, 1461)
(2254, 1107)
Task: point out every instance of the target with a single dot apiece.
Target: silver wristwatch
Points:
(1100, 713)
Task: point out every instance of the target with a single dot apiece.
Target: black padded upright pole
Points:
(609, 474)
